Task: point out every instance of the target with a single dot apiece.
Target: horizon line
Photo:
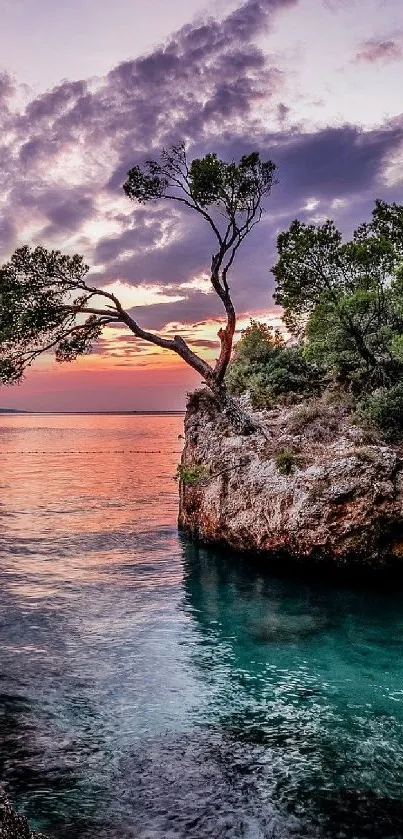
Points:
(142, 412)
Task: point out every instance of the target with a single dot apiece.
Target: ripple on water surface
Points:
(155, 690)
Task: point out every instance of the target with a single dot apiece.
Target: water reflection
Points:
(313, 683)
(152, 688)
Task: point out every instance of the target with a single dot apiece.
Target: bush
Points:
(316, 421)
(385, 410)
(268, 369)
(367, 455)
(304, 415)
(192, 474)
(287, 461)
(345, 298)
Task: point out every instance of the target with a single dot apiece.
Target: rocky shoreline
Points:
(314, 488)
(12, 825)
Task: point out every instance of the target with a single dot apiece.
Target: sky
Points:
(90, 87)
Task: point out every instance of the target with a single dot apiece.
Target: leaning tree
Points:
(47, 303)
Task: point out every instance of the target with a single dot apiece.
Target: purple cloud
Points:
(379, 50)
(6, 88)
(67, 154)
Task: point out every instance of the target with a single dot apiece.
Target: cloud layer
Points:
(65, 154)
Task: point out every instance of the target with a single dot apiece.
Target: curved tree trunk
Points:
(226, 336)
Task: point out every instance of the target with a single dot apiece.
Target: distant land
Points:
(11, 411)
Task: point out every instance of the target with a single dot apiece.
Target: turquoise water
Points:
(157, 690)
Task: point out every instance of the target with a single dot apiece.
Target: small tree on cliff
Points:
(47, 304)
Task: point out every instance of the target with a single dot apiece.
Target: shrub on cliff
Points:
(344, 301)
(270, 370)
(192, 474)
(287, 461)
(385, 410)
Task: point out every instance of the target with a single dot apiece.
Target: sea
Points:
(154, 688)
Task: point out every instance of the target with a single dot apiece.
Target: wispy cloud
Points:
(65, 155)
(380, 50)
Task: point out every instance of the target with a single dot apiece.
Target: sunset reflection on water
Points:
(152, 687)
(63, 476)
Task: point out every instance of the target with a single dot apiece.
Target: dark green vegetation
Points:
(287, 461)
(343, 305)
(342, 301)
(270, 370)
(193, 473)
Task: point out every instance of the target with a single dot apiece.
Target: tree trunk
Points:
(240, 420)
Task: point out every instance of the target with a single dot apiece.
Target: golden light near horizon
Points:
(125, 349)
(118, 348)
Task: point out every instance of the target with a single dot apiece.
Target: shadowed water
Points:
(153, 689)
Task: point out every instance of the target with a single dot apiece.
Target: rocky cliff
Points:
(312, 487)
(12, 825)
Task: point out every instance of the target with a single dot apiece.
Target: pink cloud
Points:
(374, 51)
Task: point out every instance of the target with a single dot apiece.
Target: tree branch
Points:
(28, 358)
(176, 344)
(194, 206)
(78, 310)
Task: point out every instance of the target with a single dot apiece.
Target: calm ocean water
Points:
(152, 689)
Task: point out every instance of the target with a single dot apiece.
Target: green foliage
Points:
(236, 186)
(46, 304)
(207, 182)
(300, 286)
(345, 299)
(192, 474)
(315, 266)
(385, 410)
(39, 293)
(80, 342)
(287, 462)
(228, 196)
(268, 369)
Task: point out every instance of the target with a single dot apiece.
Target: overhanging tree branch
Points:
(44, 295)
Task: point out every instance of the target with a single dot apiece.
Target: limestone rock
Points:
(12, 825)
(342, 501)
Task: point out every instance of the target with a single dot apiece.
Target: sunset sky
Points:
(89, 87)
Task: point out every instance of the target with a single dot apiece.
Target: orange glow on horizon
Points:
(121, 349)
(122, 373)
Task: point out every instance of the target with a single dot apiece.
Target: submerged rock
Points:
(311, 487)
(12, 825)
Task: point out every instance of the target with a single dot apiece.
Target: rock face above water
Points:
(341, 503)
(12, 825)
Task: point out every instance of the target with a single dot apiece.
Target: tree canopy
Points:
(343, 304)
(227, 195)
(267, 368)
(344, 299)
